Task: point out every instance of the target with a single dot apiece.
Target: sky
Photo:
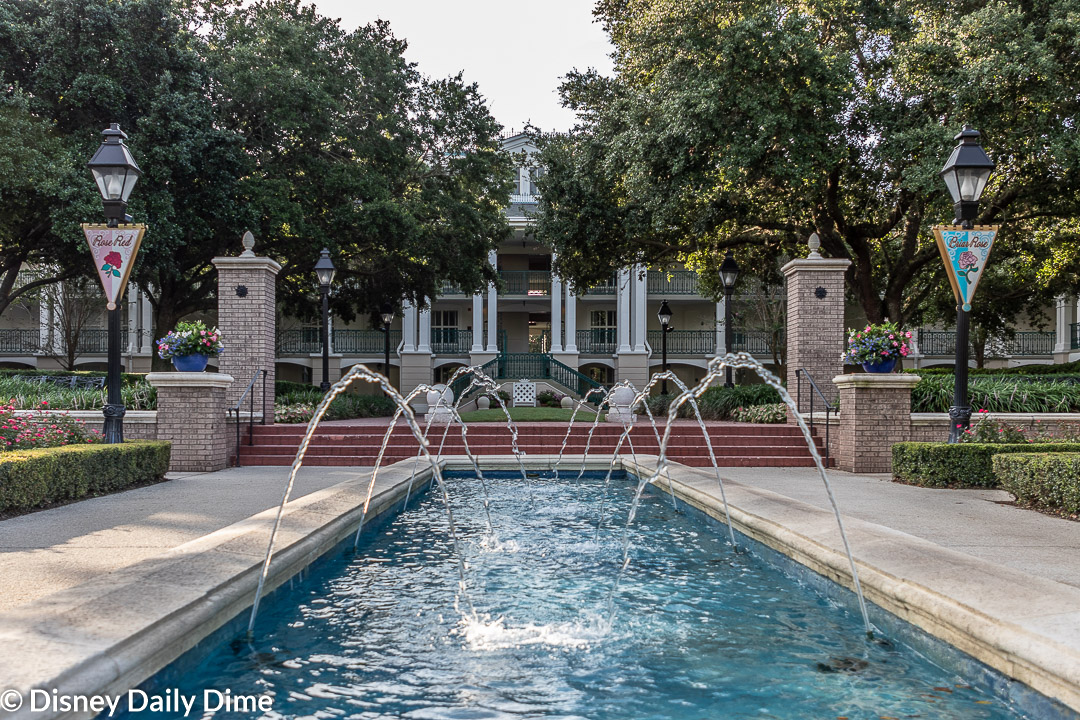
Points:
(515, 52)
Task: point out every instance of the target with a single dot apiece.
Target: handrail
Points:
(828, 405)
(251, 413)
(585, 384)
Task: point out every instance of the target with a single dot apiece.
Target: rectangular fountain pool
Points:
(693, 629)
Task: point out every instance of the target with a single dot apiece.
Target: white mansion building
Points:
(533, 326)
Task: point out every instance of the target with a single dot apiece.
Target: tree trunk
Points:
(165, 319)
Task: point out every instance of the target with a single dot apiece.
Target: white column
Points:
(146, 320)
(1065, 317)
(132, 296)
(570, 345)
(493, 308)
(640, 307)
(44, 325)
(622, 292)
(721, 338)
(477, 323)
(556, 314)
(424, 343)
(408, 327)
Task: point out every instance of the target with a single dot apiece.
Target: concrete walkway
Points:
(55, 549)
(51, 550)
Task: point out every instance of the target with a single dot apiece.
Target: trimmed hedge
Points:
(1045, 480)
(32, 478)
(959, 465)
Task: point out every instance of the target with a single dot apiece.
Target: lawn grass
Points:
(527, 414)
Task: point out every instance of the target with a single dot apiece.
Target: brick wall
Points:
(815, 323)
(191, 415)
(247, 299)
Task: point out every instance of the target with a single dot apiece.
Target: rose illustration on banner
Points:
(113, 261)
(968, 264)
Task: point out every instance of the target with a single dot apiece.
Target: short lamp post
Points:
(664, 315)
(966, 174)
(387, 317)
(729, 273)
(324, 270)
(115, 174)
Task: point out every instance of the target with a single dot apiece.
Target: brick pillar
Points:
(875, 413)
(191, 415)
(247, 301)
(815, 322)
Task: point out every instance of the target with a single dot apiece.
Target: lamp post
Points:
(729, 273)
(387, 316)
(115, 174)
(965, 174)
(324, 270)
(664, 315)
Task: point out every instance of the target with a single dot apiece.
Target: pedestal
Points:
(247, 301)
(191, 415)
(875, 413)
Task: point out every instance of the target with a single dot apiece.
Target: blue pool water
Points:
(699, 631)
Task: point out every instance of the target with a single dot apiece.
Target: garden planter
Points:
(190, 363)
(885, 366)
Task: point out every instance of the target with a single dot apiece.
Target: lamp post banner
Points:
(114, 250)
(966, 253)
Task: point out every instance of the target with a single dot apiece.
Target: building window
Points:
(602, 319)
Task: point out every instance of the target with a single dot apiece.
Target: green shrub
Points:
(1045, 480)
(295, 407)
(716, 403)
(769, 414)
(934, 393)
(32, 478)
(28, 372)
(138, 395)
(960, 465)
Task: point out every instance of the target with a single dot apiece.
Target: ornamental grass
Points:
(999, 394)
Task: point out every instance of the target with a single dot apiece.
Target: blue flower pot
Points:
(885, 366)
(190, 363)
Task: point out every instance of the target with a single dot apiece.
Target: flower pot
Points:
(190, 363)
(885, 366)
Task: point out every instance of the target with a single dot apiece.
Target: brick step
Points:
(326, 451)
(548, 429)
(455, 441)
(368, 461)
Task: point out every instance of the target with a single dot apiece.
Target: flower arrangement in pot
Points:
(877, 347)
(190, 346)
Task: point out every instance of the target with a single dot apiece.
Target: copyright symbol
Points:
(11, 700)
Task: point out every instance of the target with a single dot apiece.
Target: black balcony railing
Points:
(674, 282)
(1023, 344)
(532, 283)
(685, 342)
(19, 342)
(597, 341)
(364, 342)
(93, 341)
(1074, 336)
(451, 341)
(607, 287)
(755, 342)
(303, 341)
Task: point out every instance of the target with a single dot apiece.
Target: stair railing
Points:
(814, 390)
(235, 409)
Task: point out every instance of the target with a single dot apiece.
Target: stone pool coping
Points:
(114, 632)
(1025, 627)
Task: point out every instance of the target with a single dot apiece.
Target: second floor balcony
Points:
(1022, 344)
(673, 282)
(307, 341)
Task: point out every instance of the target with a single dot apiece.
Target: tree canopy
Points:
(751, 124)
(263, 116)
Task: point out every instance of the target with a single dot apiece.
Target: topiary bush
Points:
(769, 414)
(1044, 480)
(32, 478)
(959, 465)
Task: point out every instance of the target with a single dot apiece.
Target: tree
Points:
(753, 124)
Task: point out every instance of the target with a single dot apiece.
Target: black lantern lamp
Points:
(387, 317)
(966, 174)
(729, 274)
(115, 173)
(664, 316)
(324, 271)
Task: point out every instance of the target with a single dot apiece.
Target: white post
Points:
(721, 337)
(623, 320)
(571, 321)
(477, 323)
(45, 326)
(640, 307)
(133, 319)
(556, 314)
(424, 344)
(1065, 317)
(146, 320)
(408, 328)
(493, 308)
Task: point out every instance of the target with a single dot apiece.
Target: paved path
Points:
(969, 521)
(59, 548)
(50, 550)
